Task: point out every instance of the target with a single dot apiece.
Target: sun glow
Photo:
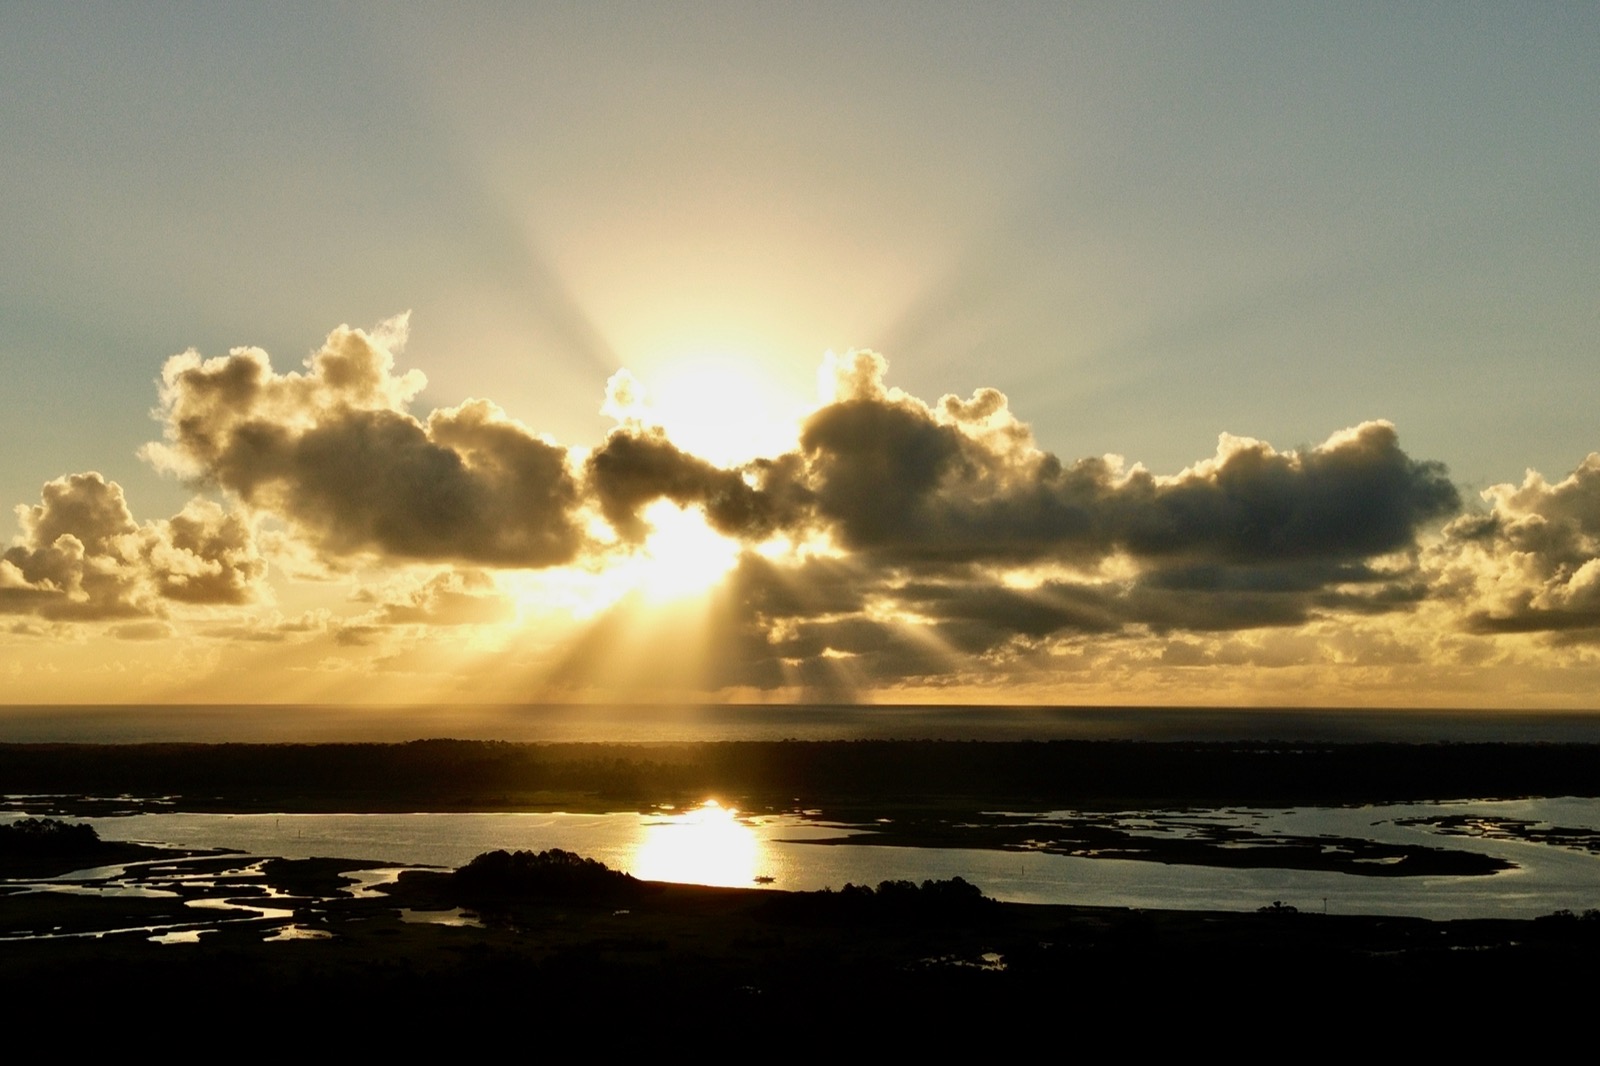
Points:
(707, 845)
(681, 559)
(682, 556)
(718, 406)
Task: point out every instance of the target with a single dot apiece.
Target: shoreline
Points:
(676, 952)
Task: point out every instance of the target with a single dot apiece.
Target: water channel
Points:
(1552, 848)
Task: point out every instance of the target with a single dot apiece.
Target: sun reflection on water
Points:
(705, 845)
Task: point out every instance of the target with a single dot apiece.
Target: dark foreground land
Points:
(620, 961)
(925, 962)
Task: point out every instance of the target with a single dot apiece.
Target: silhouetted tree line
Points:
(47, 836)
(1592, 914)
(490, 774)
(892, 902)
(555, 874)
(957, 893)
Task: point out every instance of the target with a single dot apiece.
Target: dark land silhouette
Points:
(841, 777)
(562, 938)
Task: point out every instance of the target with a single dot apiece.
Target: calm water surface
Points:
(710, 845)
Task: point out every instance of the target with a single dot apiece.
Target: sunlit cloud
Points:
(335, 451)
(1532, 562)
(82, 556)
(880, 546)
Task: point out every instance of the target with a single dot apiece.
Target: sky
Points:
(1213, 353)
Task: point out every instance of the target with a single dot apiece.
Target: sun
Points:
(720, 406)
(680, 559)
(708, 845)
(682, 556)
(714, 405)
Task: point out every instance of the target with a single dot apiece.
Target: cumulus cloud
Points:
(935, 508)
(638, 465)
(81, 556)
(1532, 562)
(204, 555)
(933, 541)
(334, 450)
(964, 481)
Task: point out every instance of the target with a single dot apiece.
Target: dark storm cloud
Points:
(81, 556)
(334, 451)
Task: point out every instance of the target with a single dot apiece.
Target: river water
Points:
(713, 845)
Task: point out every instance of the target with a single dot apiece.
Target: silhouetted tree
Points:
(47, 836)
(553, 874)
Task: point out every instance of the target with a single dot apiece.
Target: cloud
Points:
(959, 542)
(204, 555)
(81, 556)
(639, 465)
(357, 636)
(964, 482)
(929, 543)
(400, 610)
(335, 451)
(146, 630)
(270, 629)
(1250, 537)
(1532, 562)
(453, 598)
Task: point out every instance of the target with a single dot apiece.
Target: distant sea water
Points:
(310, 723)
